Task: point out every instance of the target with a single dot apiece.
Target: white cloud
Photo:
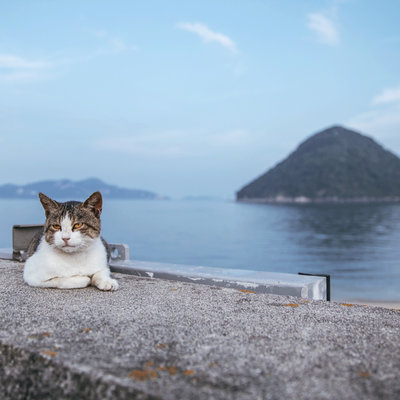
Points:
(119, 46)
(15, 69)
(208, 35)
(100, 33)
(19, 76)
(112, 43)
(324, 28)
(12, 61)
(388, 95)
(233, 138)
(172, 144)
(167, 144)
(384, 121)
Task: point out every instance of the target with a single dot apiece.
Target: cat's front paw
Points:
(106, 284)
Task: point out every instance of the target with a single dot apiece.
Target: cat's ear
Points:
(48, 204)
(94, 203)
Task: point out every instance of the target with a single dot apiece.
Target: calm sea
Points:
(359, 245)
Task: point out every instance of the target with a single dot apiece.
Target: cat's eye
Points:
(77, 226)
(56, 227)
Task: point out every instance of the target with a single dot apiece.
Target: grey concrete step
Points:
(160, 339)
(306, 287)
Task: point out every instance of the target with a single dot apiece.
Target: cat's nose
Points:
(66, 239)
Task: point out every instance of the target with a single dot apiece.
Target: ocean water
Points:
(357, 244)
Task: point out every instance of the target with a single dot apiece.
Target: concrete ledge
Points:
(305, 287)
(157, 339)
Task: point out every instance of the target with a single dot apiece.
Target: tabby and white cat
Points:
(70, 253)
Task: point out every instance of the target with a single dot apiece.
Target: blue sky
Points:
(188, 98)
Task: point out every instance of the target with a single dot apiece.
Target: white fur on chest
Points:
(48, 263)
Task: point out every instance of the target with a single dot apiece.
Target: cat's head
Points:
(72, 226)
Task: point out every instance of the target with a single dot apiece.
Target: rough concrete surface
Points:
(176, 340)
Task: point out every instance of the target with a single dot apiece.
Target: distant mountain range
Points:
(70, 190)
(334, 165)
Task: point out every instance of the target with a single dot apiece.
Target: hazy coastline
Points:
(318, 200)
(392, 305)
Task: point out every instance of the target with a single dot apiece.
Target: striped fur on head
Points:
(86, 213)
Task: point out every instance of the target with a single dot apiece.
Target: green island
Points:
(334, 165)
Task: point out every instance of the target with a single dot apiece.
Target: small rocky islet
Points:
(334, 165)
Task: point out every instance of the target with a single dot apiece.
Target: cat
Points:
(69, 253)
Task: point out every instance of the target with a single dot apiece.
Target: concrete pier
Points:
(159, 339)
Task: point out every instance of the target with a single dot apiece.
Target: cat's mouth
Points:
(69, 248)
